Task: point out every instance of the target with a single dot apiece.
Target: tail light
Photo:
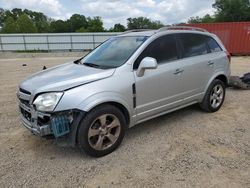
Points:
(229, 56)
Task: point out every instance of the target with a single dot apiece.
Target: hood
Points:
(63, 77)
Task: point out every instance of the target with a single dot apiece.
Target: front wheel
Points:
(101, 131)
(214, 96)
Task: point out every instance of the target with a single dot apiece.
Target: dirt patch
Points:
(187, 148)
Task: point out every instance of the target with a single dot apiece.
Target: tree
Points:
(95, 24)
(232, 10)
(2, 15)
(205, 19)
(118, 28)
(25, 24)
(82, 30)
(9, 26)
(196, 19)
(40, 20)
(208, 19)
(16, 12)
(59, 26)
(77, 21)
(143, 23)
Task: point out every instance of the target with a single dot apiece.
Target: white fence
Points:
(52, 41)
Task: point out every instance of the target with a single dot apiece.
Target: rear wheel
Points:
(101, 131)
(214, 96)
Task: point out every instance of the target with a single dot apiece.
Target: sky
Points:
(117, 11)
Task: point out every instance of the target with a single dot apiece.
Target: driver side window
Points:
(163, 49)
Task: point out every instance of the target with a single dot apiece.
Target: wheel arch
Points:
(118, 105)
(95, 104)
(223, 78)
(111, 98)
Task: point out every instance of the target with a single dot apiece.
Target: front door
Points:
(158, 90)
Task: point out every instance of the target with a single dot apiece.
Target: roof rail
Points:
(136, 30)
(181, 28)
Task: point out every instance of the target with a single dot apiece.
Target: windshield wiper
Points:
(92, 65)
(77, 61)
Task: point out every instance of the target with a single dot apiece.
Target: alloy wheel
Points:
(216, 96)
(104, 132)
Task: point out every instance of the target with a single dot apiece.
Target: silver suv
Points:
(128, 79)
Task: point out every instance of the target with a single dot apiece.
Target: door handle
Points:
(178, 71)
(210, 63)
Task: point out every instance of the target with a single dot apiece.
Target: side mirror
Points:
(146, 63)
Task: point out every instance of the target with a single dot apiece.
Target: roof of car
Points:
(139, 33)
(171, 29)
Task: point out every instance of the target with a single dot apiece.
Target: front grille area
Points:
(43, 120)
(37, 122)
(25, 102)
(24, 97)
(26, 114)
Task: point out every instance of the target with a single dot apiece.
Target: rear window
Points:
(213, 45)
(193, 44)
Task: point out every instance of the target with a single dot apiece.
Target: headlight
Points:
(47, 102)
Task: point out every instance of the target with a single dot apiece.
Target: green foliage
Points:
(25, 25)
(95, 24)
(2, 15)
(206, 19)
(59, 26)
(232, 10)
(82, 30)
(196, 19)
(118, 28)
(77, 21)
(143, 23)
(22, 21)
(226, 11)
(40, 20)
(9, 26)
(37, 20)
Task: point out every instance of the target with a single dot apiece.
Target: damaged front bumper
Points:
(61, 124)
(37, 122)
(57, 124)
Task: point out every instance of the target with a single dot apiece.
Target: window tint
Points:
(193, 44)
(213, 45)
(162, 49)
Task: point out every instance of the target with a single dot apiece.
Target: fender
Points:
(105, 97)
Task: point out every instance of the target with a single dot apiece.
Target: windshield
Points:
(114, 52)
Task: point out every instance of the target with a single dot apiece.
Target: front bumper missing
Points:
(30, 119)
(39, 123)
(43, 124)
(65, 124)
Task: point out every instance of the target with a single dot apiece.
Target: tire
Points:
(213, 100)
(101, 131)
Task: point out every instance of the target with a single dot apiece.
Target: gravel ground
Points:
(187, 148)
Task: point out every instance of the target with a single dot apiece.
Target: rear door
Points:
(218, 58)
(197, 65)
